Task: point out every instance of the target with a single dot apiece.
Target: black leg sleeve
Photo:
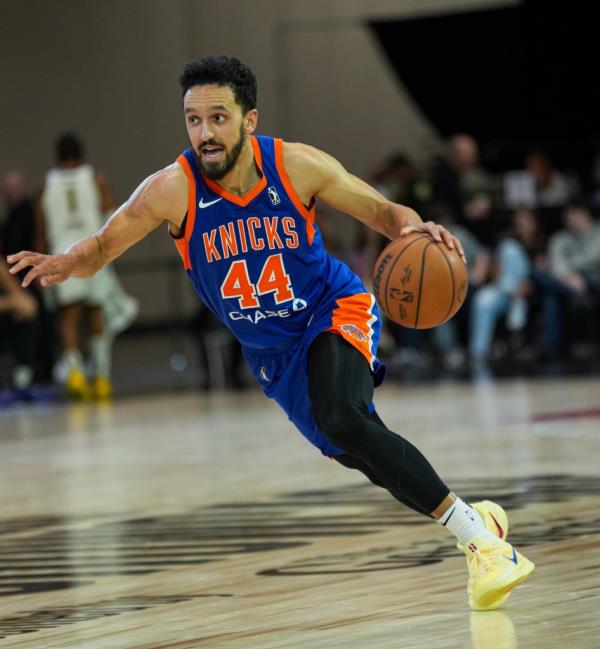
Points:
(351, 462)
(340, 385)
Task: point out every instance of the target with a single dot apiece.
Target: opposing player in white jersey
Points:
(71, 206)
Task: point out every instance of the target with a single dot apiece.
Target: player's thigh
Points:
(340, 381)
(95, 319)
(292, 396)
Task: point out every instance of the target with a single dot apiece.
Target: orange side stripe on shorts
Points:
(307, 213)
(183, 243)
(352, 319)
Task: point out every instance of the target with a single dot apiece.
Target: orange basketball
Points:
(418, 282)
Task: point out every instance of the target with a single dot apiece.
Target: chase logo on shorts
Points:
(354, 331)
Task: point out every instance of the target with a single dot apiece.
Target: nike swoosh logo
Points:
(449, 517)
(202, 204)
(513, 558)
(500, 530)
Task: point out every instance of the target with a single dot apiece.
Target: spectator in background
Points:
(398, 180)
(18, 310)
(540, 186)
(552, 188)
(19, 233)
(459, 181)
(505, 295)
(381, 179)
(573, 273)
(407, 185)
(448, 337)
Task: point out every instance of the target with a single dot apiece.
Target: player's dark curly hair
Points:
(222, 71)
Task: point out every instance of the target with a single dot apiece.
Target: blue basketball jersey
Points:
(257, 261)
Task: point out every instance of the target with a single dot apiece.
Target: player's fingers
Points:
(43, 268)
(435, 231)
(24, 263)
(459, 249)
(41, 271)
(448, 238)
(51, 279)
(31, 275)
(17, 256)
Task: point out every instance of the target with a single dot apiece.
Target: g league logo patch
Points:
(274, 196)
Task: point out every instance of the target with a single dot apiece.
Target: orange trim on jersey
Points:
(307, 213)
(353, 320)
(245, 199)
(183, 242)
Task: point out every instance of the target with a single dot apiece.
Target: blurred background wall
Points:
(108, 70)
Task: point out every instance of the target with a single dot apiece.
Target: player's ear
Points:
(250, 121)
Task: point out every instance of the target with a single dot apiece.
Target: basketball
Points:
(419, 283)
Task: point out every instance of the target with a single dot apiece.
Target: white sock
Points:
(100, 348)
(464, 522)
(72, 360)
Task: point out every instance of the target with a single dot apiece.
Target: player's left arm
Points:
(316, 173)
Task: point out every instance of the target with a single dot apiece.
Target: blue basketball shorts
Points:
(283, 375)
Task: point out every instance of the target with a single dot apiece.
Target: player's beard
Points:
(217, 170)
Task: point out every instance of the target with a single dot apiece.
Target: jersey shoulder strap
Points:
(274, 165)
(182, 241)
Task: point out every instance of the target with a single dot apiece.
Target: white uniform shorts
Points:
(89, 291)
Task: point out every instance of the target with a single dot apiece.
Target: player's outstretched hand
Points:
(439, 234)
(50, 269)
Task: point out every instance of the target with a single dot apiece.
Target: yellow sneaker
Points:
(494, 517)
(102, 388)
(495, 568)
(77, 385)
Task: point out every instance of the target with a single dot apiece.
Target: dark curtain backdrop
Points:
(515, 78)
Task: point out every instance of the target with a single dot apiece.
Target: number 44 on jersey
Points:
(272, 279)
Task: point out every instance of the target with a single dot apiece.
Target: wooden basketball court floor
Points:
(187, 521)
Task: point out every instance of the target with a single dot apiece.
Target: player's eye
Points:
(219, 118)
(193, 120)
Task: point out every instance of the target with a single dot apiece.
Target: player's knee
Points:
(342, 423)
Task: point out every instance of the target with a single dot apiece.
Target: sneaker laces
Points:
(481, 561)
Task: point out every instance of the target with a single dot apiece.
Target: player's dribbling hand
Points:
(50, 269)
(439, 234)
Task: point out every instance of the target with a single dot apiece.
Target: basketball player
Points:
(240, 209)
(71, 206)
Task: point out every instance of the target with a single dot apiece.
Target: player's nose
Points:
(205, 132)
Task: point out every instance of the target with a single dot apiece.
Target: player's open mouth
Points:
(212, 153)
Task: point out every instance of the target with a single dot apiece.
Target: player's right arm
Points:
(160, 198)
(314, 173)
